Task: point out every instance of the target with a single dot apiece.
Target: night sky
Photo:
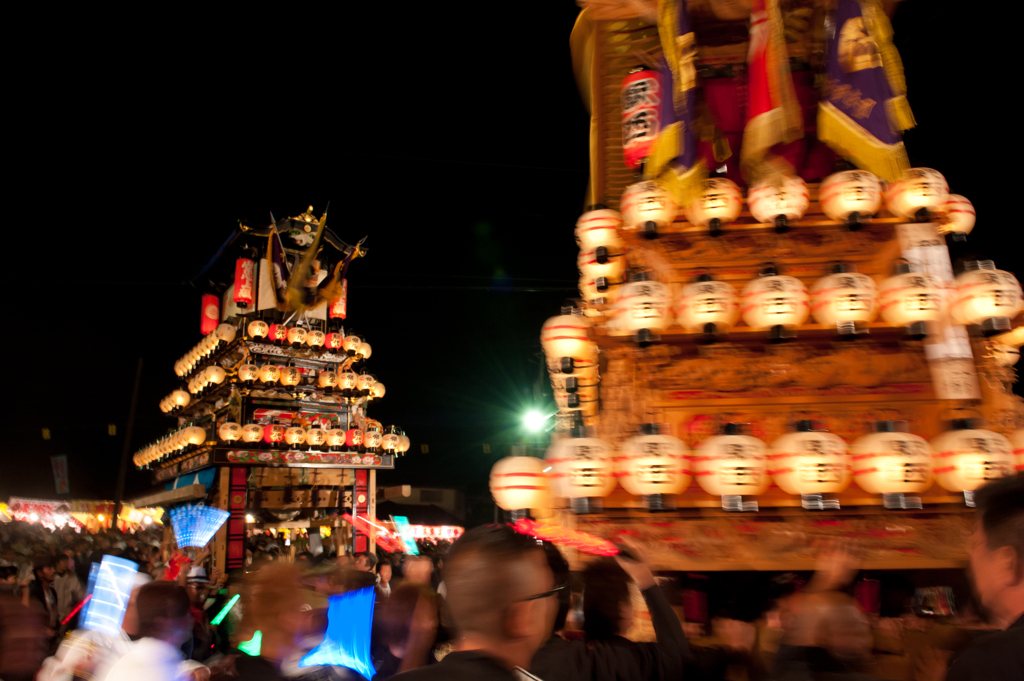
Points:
(452, 137)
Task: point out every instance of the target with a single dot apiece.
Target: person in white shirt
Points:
(165, 623)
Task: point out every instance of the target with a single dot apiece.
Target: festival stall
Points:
(270, 408)
(776, 342)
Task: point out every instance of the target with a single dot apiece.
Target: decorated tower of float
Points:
(779, 335)
(271, 410)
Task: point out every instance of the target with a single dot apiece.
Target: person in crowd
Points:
(501, 593)
(198, 586)
(366, 561)
(384, 579)
(68, 588)
(407, 626)
(606, 655)
(22, 638)
(39, 594)
(164, 624)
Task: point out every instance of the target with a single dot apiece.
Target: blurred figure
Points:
(608, 613)
(828, 638)
(40, 595)
(384, 579)
(501, 596)
(68, 588)
(22, 639)
(165, 623)
(198, 587)
(366, 562)
(997, 568)
(407, 624)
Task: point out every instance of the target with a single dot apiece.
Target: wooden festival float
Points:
(772, 348)
(270, 407)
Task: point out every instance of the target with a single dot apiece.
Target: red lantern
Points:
(278, 334)
(244, 284)
(339, 306)
(641, 98)
(354, 438)
(334, 341)
(211, 314)
(273, 434)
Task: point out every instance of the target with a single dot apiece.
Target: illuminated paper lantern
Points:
(351, 344)
(364, 383)
(564, 339)
(297, 336)
(210, 313)
(347, 381)
(641, 97)
(372, 440)
(273, 434)
(606, 274)
(316, 438)
(391, 440)
(216, 375)
(720, 202)
(844, 299)
(646, 208)
(336, 439)
(643, 310)
(354, 438)
(912, 299)
(732, 464)
(229, 431)
(258, 329)
(890, 461)
(653, 466)
(780, 205)
(270, 373)
(774, 302)
(245, 283)
(708, 306)
(339, 306)
(581, 472)
(180, 398)
(327, 380)
(377, 390)
(966, 457)
(290, 376)
(850, 197)
(1017, 442)
(252, 433)
(195, 435)
(919, 193)
(1004, 355)
(194, 526)
(334, 341)
(598, 228)
(179, 368)
(295, 436)
(518, 484)
(278, 334)
(248, 373)
(960, 217)
(315, 339)
(403, 443)
(225, 333)
(810, 462)
(987, 297)
(364, 350)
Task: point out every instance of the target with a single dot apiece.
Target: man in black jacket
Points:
(997, 566)
(501, 598)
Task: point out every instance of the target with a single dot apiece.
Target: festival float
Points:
(271, 430)
(777, 341)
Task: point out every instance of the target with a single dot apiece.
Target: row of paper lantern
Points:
(178, 442)
(806, 461)
(221, 336)
(848, 196)
(390, 439)
(982, 293)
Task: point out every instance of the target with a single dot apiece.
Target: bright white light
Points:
(249, 518)
(546, 469)
(34, 517)
(100, 517)
(534, 420)
(146, 520)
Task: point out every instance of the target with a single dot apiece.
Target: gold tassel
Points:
(839, 131)
(687, 186)
(665, 150)
(879, 28)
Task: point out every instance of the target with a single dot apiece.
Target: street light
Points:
(534, 421)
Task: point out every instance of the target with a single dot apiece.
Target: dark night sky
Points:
(455, 139)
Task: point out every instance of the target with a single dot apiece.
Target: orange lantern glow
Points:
(719, 203)
(987, 297)
(643, 310)
(598, 228)
(581, 472)
(316, 438)
(564, 339)
(518, 484)
(775, 303)
(278, 334)
(780, 204)
(912, 299)
(919, 193)
(252, 433)
(273, 434)
(844, 299)
(850, 196)
(258, 329)
(732, 465)
(295, 436)
(297, 336)
(270, 373)
(336, 439)
(290, 376)
(647, 207)
(229, 431)
(248, 373)
(965, 457)
(892, 462)
(960, 217)
(809, 462)
(708, 306)
(654, 466)
(327, 380)
(315, 339)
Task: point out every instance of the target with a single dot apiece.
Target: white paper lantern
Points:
(364, 383)
(705, 302)
(336, 439)
(810, 462)
(258, 329)
(582, 471)
(347, 381)
(912, 298)
(987, 296)
(328, 380)
(364, 350)
(844, 299)
(351, 344)
(920, 192)
(642, 310)
(732, 464)
(315, 339)
(297, 336)
(599, 227)
(564, 338)
(518, 483)
(290, 376)
(596, 299)
(850, 196)
(270, 373)
(780, 205)
(248, 373)
(774, 301)
(377, 390)
(252, 433)
(652, 465)
(966, 457)
(403, 443)
(196, 435)
(229, 431)
(316, 438)
(180, 398)
(225, 333)
(891, 462)
(647, 207)
(295, 436)
(960, 216)
(392, 438)
(720, 202)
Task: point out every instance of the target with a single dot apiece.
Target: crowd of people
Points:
(494, 605)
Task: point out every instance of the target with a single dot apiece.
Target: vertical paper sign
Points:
(60, 473)
(110, 595)
(949, 351)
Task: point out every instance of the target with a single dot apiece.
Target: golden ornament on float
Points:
(518, 484)
(779, 203)
(720, 202)
(850, 197)
(960, 217)
(987, 297)
(845, 300)
(646, 208)
(732, 465)
(654, 466)
(921, 192)
(774, 303)
(707, 306)
(809, 462)
(642, 310)
(965, 457)
(891, 461)
(581, 471)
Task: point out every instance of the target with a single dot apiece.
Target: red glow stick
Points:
(75, 611)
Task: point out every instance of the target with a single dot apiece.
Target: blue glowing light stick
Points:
(347, 642)
(110, 593)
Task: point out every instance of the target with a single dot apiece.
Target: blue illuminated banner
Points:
(110, 593)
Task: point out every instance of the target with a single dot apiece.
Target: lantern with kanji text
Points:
(732, 465)
(987, 297)
(845, 300)
(810, 462)
(774, 303)
(966, 456)
(718, 204)
(654, 466)
(643, 310)
(921, 192)
(850, 197)
(581, 471)
(892, 462)
(779, 202)
(912, 300)
(647, 206)
(707, 306)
